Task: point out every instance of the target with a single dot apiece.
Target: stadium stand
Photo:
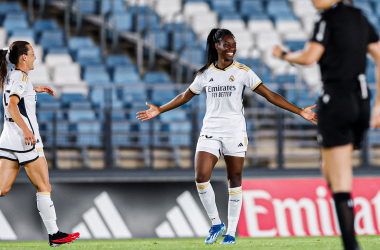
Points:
(84, 77)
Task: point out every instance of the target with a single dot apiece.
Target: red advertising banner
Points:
(304, 207)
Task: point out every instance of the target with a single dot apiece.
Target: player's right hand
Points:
(29, 137)
(148, 114)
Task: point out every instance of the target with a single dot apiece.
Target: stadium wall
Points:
(113, 210)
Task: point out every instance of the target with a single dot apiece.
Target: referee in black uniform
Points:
(340, 42)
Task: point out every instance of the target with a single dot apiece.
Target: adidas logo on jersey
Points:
(240, 145)
(211, 80)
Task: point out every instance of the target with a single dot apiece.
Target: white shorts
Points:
(232, 146)
(24, 158)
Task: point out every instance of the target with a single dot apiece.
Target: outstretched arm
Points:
(312, 53)
(154, 111)
(46, 89)
(281, 102)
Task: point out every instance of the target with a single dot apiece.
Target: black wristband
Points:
(283, 54)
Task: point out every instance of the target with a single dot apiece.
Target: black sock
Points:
(345, 212)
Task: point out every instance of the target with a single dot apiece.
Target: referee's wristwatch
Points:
(283, 54)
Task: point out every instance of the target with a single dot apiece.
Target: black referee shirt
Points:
(345, 33)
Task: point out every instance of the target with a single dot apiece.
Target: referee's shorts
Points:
(24, 158)
(343, 116)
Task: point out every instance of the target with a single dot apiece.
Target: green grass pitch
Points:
(295, 243)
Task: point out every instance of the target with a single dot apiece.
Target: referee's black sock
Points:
(345, 212)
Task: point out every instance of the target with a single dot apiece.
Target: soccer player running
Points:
(224, 126)
(341, 39)
(20, 141)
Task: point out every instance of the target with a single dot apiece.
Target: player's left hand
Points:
(309, 115)
(46, 89)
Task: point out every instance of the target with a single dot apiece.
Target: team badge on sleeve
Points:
(20, 89)
(232, 78)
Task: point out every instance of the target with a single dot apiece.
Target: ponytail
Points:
(215, 36)
(3, 66)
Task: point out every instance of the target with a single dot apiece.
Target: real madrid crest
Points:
(232, 78)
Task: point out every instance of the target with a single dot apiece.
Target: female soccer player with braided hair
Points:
(20, 141)
(341, 40)
(224, 126)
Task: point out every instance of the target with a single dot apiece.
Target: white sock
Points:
(47, 211)
(207, 195)
(234, 207)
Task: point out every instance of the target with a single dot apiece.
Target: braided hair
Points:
(215, 36)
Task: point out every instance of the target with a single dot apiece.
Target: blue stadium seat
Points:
(44, 97)
(364, 6)
(223, 6)
(179, 140)
(81, 115)
(90, 127)
(96, 74)
(248, 7)
(117, 60)
(295, 45)
(174, 115)
(41, 25)
(135, 95)
(118, 6)
(57, 50)
(122, 21)
(230, 16)
(161, 38)
(177, 40)
(284, 16)
(89, 56)
(52, 38)
(15, 21)
(44, 116)
(119, 130)
(10, 7)
(183, 127)
(86, 6)
(23, 33)
(66, 99)
(76, 43)
(156, 77)
(126, 75)
(162, 96)
(81, 105)
(49, 105)
(141, 21)
(258, 16)
(194, 55)
(278, 7)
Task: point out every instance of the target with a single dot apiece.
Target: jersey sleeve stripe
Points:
(16, 94)
(257, 85)
(192, 91)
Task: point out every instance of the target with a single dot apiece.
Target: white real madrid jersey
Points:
(18, 84)
(224, 90)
